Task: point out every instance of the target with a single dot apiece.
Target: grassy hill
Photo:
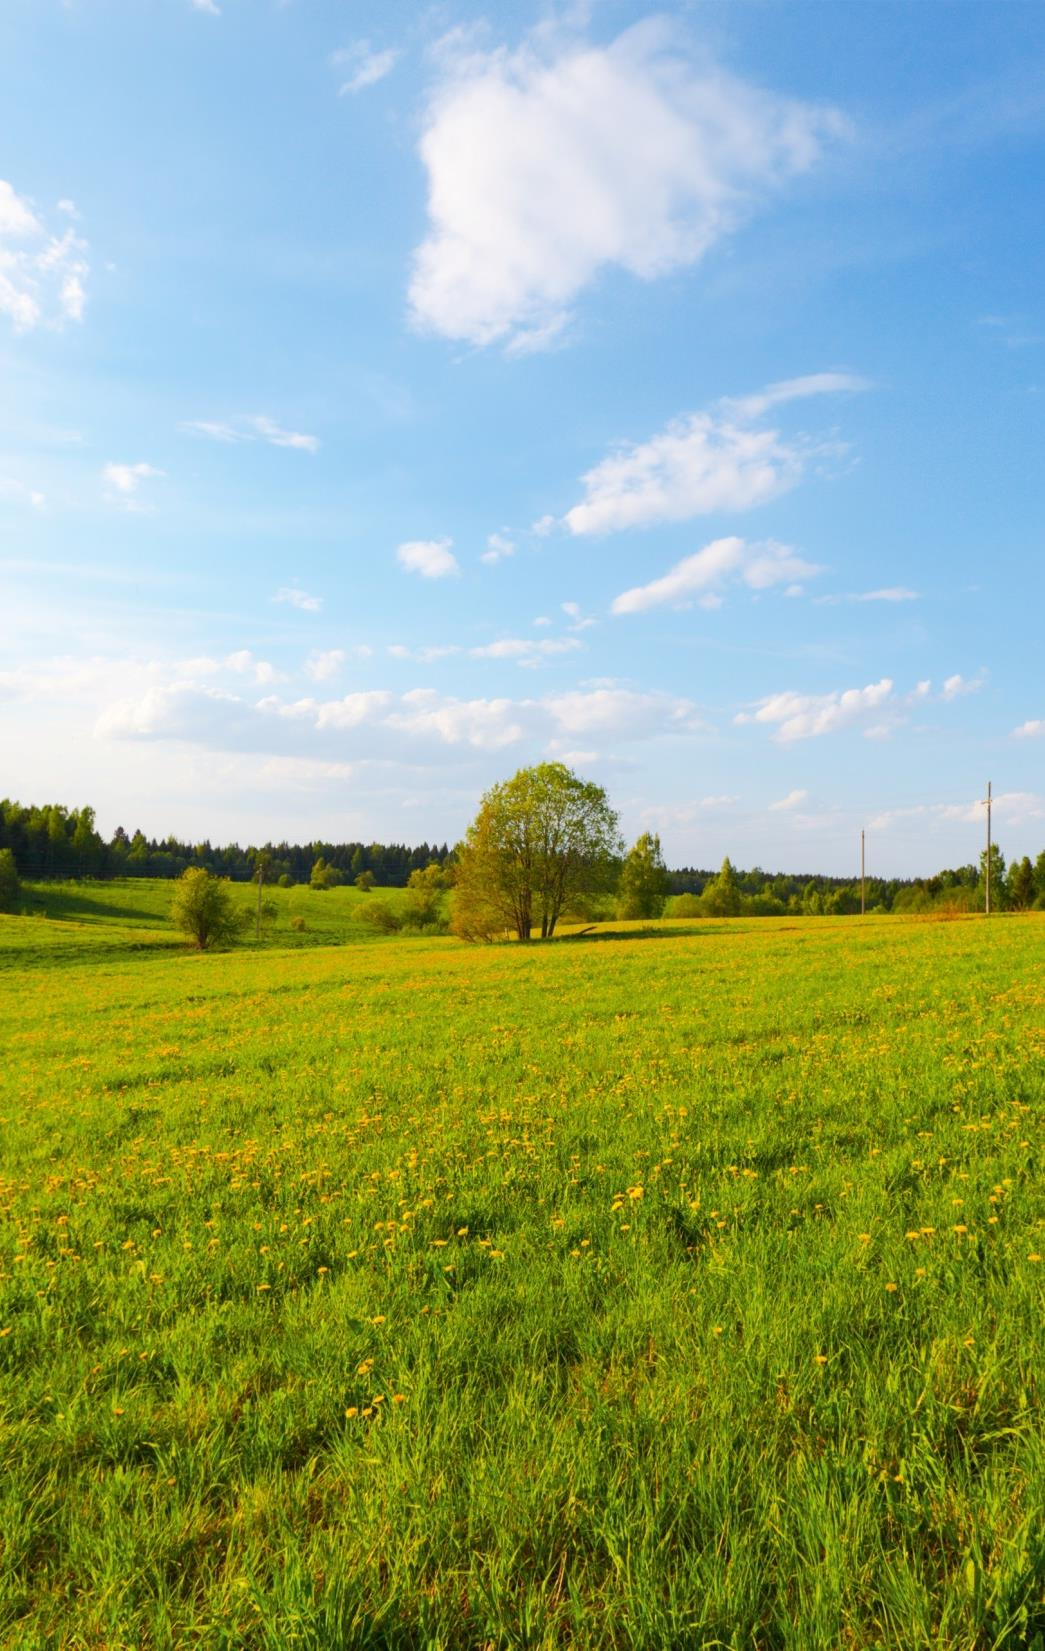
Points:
(133, 913)
(652, 1289)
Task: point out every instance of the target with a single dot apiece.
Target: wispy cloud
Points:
(251, 427)
(123, 482)
(208, 6)
(705, 462)
(11, 489)
(890, 593)
(536, 180)
(784, 805)
(527, 651)
(1032, 730)
(431, 558)
(362, 66)
(42, 274)
(699, 577)
(498, 548)
(294, 597)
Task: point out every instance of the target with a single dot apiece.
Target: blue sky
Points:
(394, 395)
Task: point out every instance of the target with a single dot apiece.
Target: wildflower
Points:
(819, 1358)
(353, 1410)
(892, 1287)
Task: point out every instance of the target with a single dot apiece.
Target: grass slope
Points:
(674, 1290)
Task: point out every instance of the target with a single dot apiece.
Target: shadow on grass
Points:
(61, 904)
(585, 937)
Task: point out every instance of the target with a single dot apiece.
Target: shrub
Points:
(684, 905)
(204, 911)
(380, 916)
(298, 925)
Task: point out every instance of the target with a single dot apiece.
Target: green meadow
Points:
(675, 1285)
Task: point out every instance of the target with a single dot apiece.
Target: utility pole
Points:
(863, 899)
(987, 804)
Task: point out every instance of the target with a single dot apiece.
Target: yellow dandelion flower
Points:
(353, 1410)
(819, 1358)
(1034, 1256)
(399, 1398)
(892, 1287)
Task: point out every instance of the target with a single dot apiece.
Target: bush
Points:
(380, 916)
(10, 888)
(365, 881)
(684, 905)
(204, 911)
(285, 881)
(298, 925)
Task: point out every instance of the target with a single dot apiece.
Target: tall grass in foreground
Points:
(665, 1291)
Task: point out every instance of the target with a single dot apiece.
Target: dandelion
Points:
(264, 1287)
(865, 1238)
(399, 1398)
(819, 1358)
(892, 1287)
(1034, 1256)
(380, 1319)
(353, 1410)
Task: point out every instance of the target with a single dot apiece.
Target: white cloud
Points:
(1011, 808)
(1030, 730)
(251, 427)
(549, 163)
(623, 712)
(704, 462)
(526, 651)
(11, 489)
(125, 480)
(806, 716)
(498, 548)
(364, 66)
(758, 565)
(543, 526)
(243, 663)
(321, 666)
(891, 593)
(957, 686)
(794, 799)
(208, 6)
(297, 598)
(431, 558)
(42, 275)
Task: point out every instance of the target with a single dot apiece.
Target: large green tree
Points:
(643, 886)
(541, 839)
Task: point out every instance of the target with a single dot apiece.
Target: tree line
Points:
(55, 841)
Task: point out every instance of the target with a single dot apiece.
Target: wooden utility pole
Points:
(987, 804)
(863, 898)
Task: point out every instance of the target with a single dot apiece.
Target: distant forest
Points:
(53, 841)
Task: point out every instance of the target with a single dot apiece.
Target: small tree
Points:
(324, 876)
(722, 897)
(204, 910)
(1021, 885)
(10, 888)
(643, 886)
(364, 882)
(423, 892)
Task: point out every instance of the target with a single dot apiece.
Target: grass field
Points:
(665, 1288)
